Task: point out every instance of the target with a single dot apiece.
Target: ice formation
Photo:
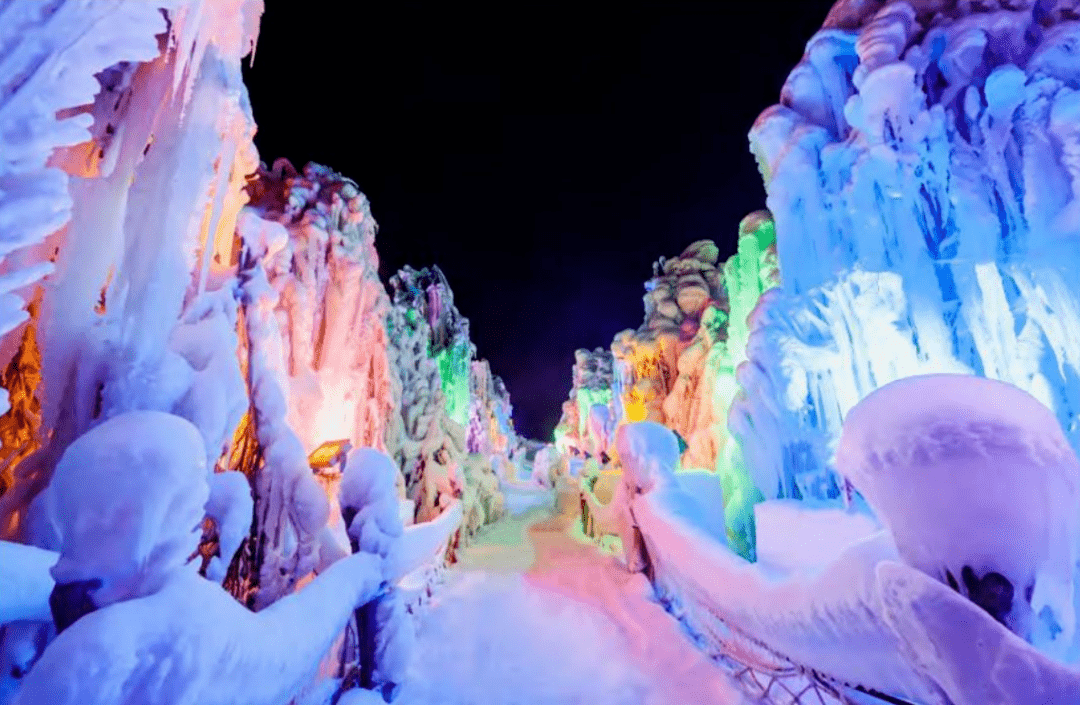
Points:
(192, 345)
(454, 431)
(678, 368)
(151, 265)
(327, 275)
(921, 172)
(921, 180)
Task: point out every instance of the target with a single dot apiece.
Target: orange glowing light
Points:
(329, 454)
(636, 411)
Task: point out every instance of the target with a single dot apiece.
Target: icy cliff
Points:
(921, 168)
(449, 404)
(678, 367)
(149, 263)
(332, 303)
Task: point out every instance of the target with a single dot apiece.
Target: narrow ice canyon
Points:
(836, 464)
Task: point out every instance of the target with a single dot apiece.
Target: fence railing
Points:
(865, 629)
(763, 671)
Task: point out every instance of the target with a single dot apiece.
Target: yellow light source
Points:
(329, 454)
(636, 411)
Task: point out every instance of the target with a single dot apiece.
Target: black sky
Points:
(542, 156)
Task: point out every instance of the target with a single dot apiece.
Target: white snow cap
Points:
(369, 487)
(969, 471)
(649, 453)
(127, 499)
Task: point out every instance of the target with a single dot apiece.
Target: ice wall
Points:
(678, 368)
(922, 171)
(592, 378)
(332, 305)
(138, 136)
(447, 405)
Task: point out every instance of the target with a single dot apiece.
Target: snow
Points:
(520, 497)
(368, 487)
(574, 628)
(230, 506)
(649, 453)
(794, 536)
(191, 642)
(127, 499)
(912, 635)
(967, 471)
(420, 543)
(25, 582)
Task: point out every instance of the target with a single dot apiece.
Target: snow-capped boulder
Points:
(979, 487)
(128, 499)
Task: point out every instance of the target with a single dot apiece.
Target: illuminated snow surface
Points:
(552, 620)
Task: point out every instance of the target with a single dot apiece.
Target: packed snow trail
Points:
(531, 616)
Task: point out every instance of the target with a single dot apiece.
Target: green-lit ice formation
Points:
(454, 431)
(453, 363)
(747, 275)
(679, 367)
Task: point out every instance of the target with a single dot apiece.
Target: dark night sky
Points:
(543, 157)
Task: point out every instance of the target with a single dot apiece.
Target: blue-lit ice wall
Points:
(923, 174)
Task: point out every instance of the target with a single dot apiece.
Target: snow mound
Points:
(794, 536)
(976, 482)
(649, 453)
(127, 499)
(25, 582)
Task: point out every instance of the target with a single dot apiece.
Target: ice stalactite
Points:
(147, 140)
(921, 169)
(291, 508)
(50, 82)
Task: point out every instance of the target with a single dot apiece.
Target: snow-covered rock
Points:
(974, 477)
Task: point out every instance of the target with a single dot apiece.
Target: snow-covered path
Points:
(532, 616)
